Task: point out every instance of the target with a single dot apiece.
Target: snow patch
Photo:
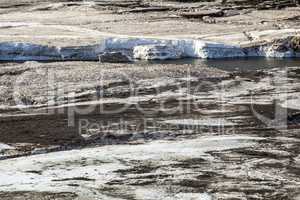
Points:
(4, 147)
(99, 164)
(188, 47)
(144, 48)
(291, 104)
(157, 52)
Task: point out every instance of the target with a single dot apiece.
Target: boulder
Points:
(284, 47)
(202, 13)
(295, 43)
(115, 57)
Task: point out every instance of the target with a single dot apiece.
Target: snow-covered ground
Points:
(85, 171)
(4, 147)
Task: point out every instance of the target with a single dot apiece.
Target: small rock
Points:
(202, 13)
(295, 43)
(209, 20)
(294, 118)
(230, 13)
(281, 45)
(115, 57)
(286, 44)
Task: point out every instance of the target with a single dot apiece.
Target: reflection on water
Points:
(245, 64)
(251, 64)
(228, 64)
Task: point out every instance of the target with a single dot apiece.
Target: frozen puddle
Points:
(90, 169)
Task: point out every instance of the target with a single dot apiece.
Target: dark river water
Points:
(230, 64)
(247, 64)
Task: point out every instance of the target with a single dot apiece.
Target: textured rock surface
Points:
(186, 129)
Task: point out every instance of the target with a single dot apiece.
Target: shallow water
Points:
(230, 64)
(245, 64)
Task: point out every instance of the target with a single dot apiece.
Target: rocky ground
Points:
(187, 132)
(180, 129)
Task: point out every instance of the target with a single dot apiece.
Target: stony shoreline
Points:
(218, 149)
(132, 127)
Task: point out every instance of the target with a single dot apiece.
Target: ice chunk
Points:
(157, 52)
(5, 147)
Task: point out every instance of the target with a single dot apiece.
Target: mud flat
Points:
(149, 121)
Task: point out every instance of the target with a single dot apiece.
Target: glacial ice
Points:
(157, 52)
(142, 48)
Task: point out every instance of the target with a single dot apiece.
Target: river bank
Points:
(144, 119)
